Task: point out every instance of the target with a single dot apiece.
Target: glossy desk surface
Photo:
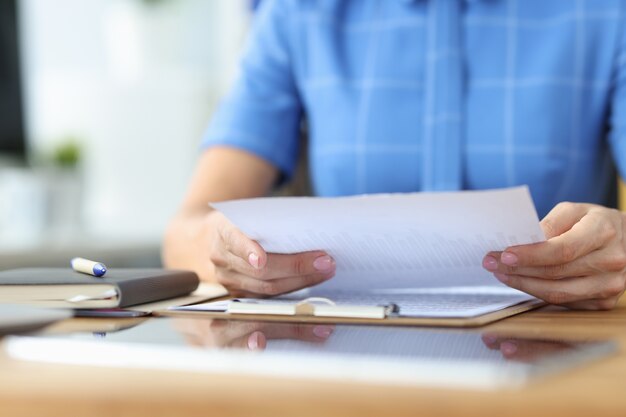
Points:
(599, 388)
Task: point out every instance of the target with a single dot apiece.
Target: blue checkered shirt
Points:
(402, 96)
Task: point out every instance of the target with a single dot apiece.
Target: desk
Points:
(598, 389)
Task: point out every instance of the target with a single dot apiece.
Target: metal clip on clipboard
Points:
(313, 306)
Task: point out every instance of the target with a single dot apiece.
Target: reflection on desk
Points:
(370, 354)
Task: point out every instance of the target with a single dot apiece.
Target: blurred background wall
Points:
(116, 96)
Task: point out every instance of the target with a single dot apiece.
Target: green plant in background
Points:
(67, 153)
(153, 2)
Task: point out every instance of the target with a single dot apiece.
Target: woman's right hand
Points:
(203, 240)
(242, 266)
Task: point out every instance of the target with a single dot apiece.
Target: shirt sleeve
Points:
(262, 112)
(617, 121)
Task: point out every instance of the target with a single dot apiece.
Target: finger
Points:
(305, 332)
(240, 245)
(583, 238)
(305, 263)
(562, 217)
(253, 341)
(239, 284)
(596, 304)
(579, 267)
(217, 333)
(567, 290)
(223, 334)
(603, 260)
(523, 349)
(492, 341)
(530, 350)
(285, 265)
(249, 341)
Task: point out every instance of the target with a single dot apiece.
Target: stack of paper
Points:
(421, 251)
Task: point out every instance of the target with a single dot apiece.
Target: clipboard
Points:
(324, 311)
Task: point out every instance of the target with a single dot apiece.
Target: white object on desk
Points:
(368, 354)
(313, 306)
(93, 268)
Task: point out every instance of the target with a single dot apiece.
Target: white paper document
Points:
(403, 242)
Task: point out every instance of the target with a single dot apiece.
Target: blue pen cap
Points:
(99, 270)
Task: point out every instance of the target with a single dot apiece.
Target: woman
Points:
(424, 95)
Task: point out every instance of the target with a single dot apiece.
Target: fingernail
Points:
(489, 338)
(322, 331)
(253, 341)
(508, 258)
(508, 348)
(490, 263)
(257, 341)
(323, 263)
(253, 259)
(502, 277)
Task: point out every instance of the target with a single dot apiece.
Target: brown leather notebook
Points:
(62, 287)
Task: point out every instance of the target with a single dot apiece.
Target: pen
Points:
(97, 269)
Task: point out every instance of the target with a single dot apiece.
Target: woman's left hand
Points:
(581, 265)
